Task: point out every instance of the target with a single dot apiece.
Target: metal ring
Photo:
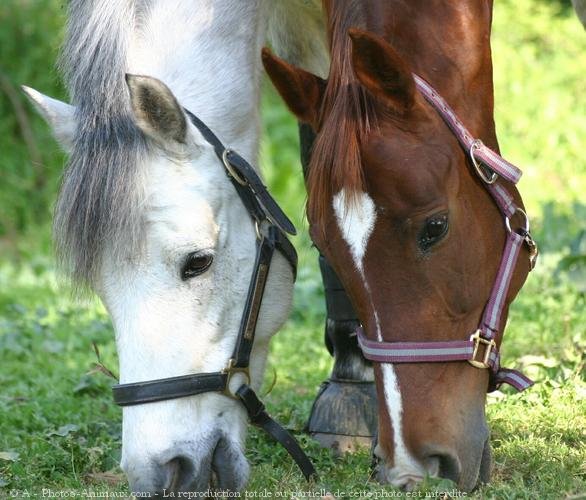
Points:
(232, 370)
(235, 175)
(477, 144)
(508, 221)
(261, 227)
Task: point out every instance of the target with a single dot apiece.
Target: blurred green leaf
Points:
(9, 456)
(64, 430)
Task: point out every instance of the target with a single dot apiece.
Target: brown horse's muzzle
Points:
(467, 464)
(442, 429)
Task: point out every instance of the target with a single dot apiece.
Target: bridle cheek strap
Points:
(480, 350)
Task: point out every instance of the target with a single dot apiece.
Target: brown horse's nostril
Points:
(443, 464)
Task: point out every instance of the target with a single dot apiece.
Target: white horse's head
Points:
(177, 298)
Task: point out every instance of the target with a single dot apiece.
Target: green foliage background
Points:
(58, 428)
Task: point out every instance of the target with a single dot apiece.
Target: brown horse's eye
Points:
(434, 230)
(195, 264)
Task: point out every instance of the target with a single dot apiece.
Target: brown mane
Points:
(347, 115)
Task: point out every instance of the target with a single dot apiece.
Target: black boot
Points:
(344, 413)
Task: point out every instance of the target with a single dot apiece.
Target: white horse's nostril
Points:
(180, 473)
(174, 473)
(147, 479)
(229, 466)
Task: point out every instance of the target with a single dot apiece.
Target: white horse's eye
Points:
(195, 264)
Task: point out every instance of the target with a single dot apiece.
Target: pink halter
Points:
(480, 349)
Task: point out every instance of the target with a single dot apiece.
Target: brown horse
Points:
(396, 208)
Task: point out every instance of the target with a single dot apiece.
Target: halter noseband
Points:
(480, 350)
(271, 226)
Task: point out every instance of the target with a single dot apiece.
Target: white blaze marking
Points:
(379, 332)
(356, 218)
(402, 461)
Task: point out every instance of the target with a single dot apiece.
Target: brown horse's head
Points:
(415, 238)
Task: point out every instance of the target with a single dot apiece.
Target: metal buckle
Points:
(232, 370)
(235, 175)
(477, 338)
(533, 250)
(261, 228)
(531, 244)
(477, 144)
(527, 227)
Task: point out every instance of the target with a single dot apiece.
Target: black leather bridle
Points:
(271, 226)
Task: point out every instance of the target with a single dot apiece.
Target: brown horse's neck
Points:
(447, 42)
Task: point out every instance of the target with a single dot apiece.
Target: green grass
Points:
(46, 347)
(58, 427)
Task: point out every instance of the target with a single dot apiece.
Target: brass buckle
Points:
(232, 370)
(235, 175)
(477, 144)
(477, 338)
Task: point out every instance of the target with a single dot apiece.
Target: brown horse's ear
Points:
(382, 71)
(302, 91)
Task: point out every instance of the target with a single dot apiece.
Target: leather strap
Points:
(287, 250)
(168, 388)
(256, 288)
(207, 133)
(259, 417)
(253, 193)
(267, 206)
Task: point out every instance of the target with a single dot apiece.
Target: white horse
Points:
(148, 219)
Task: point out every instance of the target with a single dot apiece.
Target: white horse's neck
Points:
(208, 53)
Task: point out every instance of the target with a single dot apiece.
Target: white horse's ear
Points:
(156, 110)
(59, 115)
